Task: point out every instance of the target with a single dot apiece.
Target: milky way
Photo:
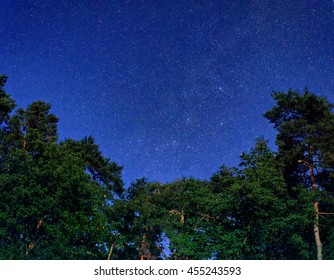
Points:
(167, 88)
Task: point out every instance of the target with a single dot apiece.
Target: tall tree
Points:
(7, 104)
(190, 209)
(55, 197)
(140, 220)
(101, 169)
(305, 125)
(259, 219)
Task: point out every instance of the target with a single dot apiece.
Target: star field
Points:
(166, 88)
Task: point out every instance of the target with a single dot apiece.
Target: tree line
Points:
(65, 200)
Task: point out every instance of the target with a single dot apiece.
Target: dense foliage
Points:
(65, 200)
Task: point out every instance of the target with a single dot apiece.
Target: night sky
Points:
(166, 88)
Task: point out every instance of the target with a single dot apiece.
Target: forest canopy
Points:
(65, 200)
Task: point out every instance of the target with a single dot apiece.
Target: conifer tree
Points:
(305, 125)
(55, 197)
(6, 103)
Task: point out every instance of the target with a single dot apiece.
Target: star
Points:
(162, 87)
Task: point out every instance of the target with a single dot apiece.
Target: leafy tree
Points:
(140, 221)
(101, 170)
(6, 103)
(305, 125)
(189, 208)
(55, 197)
(259, 219)
(157, 220)
(65, 200)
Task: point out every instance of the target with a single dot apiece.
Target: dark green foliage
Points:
(305, 140)
(52, 209)
(263, 208)
(53, 206)
(305, 125)
(100, 169)
(65, 200)
(188, 216)
(6, 103)
(142, 222)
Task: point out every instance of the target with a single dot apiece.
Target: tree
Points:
(305, 125)
(140, 220)
(101, 170)
(65, 200)
(162, 221)
(6, 103)
(55, 197)
(190, 209)
(259, 220)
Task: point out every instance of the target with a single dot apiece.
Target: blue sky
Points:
(166, 88)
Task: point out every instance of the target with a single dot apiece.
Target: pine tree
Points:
(305, 125)
(6, 103)
(55, 197)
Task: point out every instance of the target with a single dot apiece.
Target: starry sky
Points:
(166, 88)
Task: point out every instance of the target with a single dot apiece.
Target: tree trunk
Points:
(316, 210)
(182, 217)
(110, 251)
(316, 231)
(144, 252)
